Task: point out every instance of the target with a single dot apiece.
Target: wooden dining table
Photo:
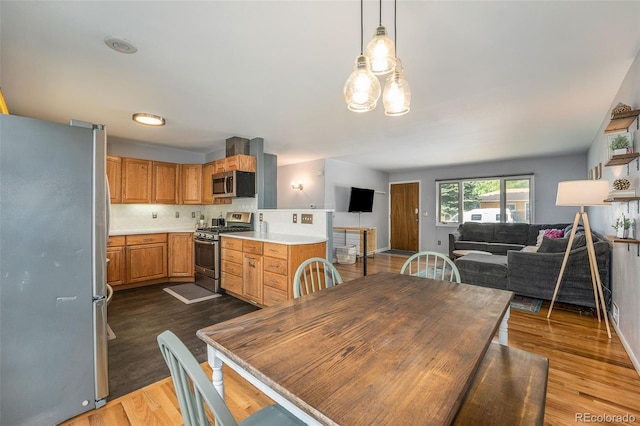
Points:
(382, 349)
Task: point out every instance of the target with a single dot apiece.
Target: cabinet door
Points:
(207, 188)
(180, 257)
(136, 181)
(114, 176)
(146, 262)
(116, 266)
(246, 163)
(165, 183)
(191, 184)
(252, 278)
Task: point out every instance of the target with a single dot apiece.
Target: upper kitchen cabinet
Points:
(191, 184)
(165, 183)
(136, 181)
(208, 170)
(114, 177)
(245, 163)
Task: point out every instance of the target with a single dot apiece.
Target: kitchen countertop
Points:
(118, 232)
(271, 237)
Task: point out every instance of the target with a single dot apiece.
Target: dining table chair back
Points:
(313, 275)
(193, 389)
(431, 264)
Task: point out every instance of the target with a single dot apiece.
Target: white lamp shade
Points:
(582, 193)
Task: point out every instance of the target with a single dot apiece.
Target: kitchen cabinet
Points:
(245, 163)
(180, 255)
(136, 181)
(114, 177)
(146, 257)
(116, 272)
(191, 184)
(164, 183)
(208, 170)
(231, 265)
(261, 272)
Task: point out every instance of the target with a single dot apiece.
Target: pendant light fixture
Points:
(397, 95)
(362, 88)
(381, 51)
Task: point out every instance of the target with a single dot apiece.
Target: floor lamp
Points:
(581, 193)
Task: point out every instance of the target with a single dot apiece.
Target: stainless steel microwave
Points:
(234, 184)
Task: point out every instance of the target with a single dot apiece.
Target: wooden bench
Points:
(509, 388)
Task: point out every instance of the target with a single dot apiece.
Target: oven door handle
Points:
(210, 243)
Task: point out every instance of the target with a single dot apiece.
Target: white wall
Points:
(625, 275)
(311, 175)
(547, 171)
(132, 149)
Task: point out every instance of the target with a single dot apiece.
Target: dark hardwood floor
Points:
(138, 315)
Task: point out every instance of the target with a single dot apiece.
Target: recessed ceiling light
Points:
(148, 119)
(120, 45)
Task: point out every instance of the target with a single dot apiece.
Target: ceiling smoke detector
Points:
(120, 45)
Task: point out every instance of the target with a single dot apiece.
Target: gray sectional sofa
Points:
(518, 264)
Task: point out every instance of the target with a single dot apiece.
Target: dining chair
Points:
(313, 275)
(431, 264)
(193, 387)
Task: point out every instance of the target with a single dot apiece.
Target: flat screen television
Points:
(361, 200)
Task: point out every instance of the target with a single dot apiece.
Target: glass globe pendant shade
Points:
(362, 88)
(381, 52)
(397, 95)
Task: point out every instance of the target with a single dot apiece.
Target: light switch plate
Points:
(295, 218)
(307, 218)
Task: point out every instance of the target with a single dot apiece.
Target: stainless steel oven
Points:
(207, 248)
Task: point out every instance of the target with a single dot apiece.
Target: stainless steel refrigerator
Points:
(53, 231)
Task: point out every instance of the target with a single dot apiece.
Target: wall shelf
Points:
(627, 241)
(621, 160)
(622, 122)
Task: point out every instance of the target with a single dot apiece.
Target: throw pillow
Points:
(539, 239)
(554, 233)
(553, 245)
(530, 249)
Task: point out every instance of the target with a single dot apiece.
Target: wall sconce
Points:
(295, 185)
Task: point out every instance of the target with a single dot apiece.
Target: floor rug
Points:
(526, 304)
(399, 252)
(190, 293)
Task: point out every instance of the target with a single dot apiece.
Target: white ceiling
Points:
(489, 80)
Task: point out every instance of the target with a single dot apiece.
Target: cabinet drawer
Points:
(254, 247)
(278, 266)
(146, 239)
(276, 281)
(234, 256)
(231, 243)
(231, 268)
(116, 241)
(273, 296)
(275, 250)
(232, 283)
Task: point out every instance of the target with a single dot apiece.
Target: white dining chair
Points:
(431, 264)
(313, 275)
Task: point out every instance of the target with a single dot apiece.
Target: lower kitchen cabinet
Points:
(146, 257)
(180, 256)
(262, 272)
(116, 271)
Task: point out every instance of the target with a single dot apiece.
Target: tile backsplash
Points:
(140, 216)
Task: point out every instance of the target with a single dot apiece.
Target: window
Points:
(491, 199)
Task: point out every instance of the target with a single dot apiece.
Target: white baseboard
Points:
(627, 348)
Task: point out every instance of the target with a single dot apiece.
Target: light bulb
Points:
(381, 52)
(362, 88)
(397, 94)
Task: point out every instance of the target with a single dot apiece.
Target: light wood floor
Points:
(589, 374)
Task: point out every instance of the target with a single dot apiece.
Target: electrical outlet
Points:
(295, 218)
(193, 215)
(616, 314)
(154, 215)
(177, 215)
(307, 218)
(260, 217)
(439, 242)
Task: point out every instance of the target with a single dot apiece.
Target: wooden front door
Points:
(405, 217)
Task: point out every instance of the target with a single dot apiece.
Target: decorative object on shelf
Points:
(396, 96)
(619, 143)
(622, 227)
(621, 184)
(3, 104)
(583, 193)
(599, 171)
(362, 89)
(619, 109)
